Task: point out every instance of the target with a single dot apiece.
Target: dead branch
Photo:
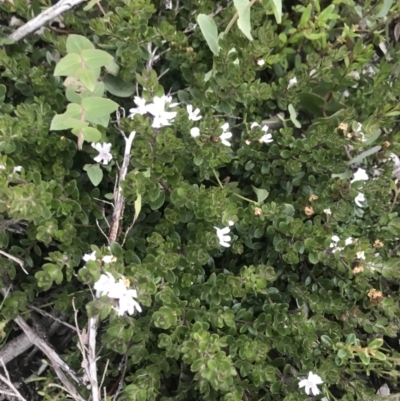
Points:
(7, 381)
(44, 17)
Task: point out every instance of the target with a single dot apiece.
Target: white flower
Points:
(225, 135)
(358, 131)
(17, 169)
(195, 132)
(104, 155)
(313, 72)
(327, 212)
(162, 118)
(360, 255)
(254, 125)
(260, 62)
(311, 383)
(108, 259)
(193, 115)
(106, 285)
(267, 138)
(231, 223)
(89, 256)
(359, 199)
(224, 239)
(346, 93)
(348, 241)
(360, 175)
(141, 107)
(335, 239)
(292, 82)
(127, 303)
(103, 284)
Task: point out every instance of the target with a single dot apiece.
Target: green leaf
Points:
(69, 119)
(244, 24)
(138, 207)
(68, 64)
(373, 137)
(364, 356)
(118, 87)
(90, 134)
(262, 194)
(378, 355)
(377, 343)
(112, 68)
(293, 116)
(87, 77)
(90, 5)
(277, 9)
(97, 109)
(305, 16)
(94, 172)
(95, 58)
(387, 4)
(343, 176)
(77, 43)
(72, 96)
(209, 30)
(364, 154)
(3, 91)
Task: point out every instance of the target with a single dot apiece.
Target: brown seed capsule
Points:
(313, 198)
(308, 210)
(378, 244)
(257, 211)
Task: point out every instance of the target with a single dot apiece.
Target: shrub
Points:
(258, 234)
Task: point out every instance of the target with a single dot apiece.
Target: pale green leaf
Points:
(77, 43)
(94, 172)
(112, 68)
(383, 12)
(305, 17)
(343, 176)
(68, 64)
(262, 194)
(138, 206)
(277, 9)
(243, 21)
(293, 116)
(209, 30)
(91, 134)
(95, 58)
(87, 78)
(98, 109)
(365, 154)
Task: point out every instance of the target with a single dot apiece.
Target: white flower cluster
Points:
(266, 138)
(158, 109)
(222, 234)
(310, 384)
(195, 131)
(360, 175)
(335, 240)
(106, 285)
(119, 290)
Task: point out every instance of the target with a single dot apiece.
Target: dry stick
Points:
(15, 259)
(6, 380)
(119, 199)
(119, 202)
(44, 17)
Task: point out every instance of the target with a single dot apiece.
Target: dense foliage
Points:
(310, 279)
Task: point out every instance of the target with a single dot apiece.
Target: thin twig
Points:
(7, 382)
(15, 259)
(44, 313)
